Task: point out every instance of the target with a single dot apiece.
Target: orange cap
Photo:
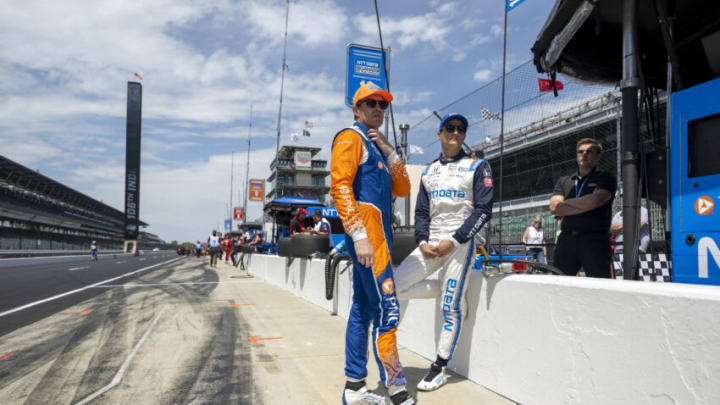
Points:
(370, 89)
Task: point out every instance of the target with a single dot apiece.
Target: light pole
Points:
(247, 167)
(282, 79)
(404, 128)
(232, 169)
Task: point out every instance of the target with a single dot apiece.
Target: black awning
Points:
(583, 39)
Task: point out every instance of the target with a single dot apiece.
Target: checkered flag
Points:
(488, 115)
(652, 267)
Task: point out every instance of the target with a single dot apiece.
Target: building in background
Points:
(37, 212)
(296, 173)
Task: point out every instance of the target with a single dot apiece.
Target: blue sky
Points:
(64, 68)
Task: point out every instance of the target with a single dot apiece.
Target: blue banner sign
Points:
(364, 64)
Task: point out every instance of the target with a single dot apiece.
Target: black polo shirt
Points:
(597, 220)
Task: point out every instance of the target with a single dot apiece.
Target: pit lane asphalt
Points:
(192, 347)
(28, 283)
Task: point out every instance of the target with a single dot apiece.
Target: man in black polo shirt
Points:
(585, 203)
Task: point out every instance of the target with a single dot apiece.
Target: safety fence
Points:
(525, 104)
(541, 132)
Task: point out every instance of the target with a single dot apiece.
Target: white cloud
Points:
(483, 75)
(496, 30)
(459, 56)
(311, 22)
(430, 28)
(479, 39)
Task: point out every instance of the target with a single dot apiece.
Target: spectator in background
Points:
(584, 200)
(198, 249)
(227, 244)
(214, 245)
(534, 240)
(322, 226)
(617, 229)
(93, 251)
(297, 224)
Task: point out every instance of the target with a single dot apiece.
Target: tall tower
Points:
(132, 166)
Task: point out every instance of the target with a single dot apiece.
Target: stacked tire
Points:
(305, 245)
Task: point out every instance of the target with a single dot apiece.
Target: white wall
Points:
(559, 340)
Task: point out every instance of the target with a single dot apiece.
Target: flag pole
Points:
(502, 127)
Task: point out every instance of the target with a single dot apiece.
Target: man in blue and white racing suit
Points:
(453, 204)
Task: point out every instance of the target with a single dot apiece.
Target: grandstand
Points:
(37, 212)
(535, 156)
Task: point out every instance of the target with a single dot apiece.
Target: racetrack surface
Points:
(71, 348)
(29, 283)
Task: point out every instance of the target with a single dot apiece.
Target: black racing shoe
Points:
(434, 379)
(402, 398)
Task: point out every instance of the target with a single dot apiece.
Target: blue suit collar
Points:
(444, 160)
(362, 127)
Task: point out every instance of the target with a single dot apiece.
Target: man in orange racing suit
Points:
(365, 172)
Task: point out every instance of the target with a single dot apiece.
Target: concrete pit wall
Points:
(557, 340)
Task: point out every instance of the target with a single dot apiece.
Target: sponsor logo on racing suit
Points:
(447, 304)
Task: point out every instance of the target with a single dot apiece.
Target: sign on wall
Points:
(303, 158)
(256, 190)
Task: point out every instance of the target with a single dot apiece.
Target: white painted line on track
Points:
(142, 259)
(32, 304)
(121, 372)
(78, 268)
(165, 284)
(121, 262)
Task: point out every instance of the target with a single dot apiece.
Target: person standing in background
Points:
(214, 246)
(584, 200)
(297, 224)
(534, 240)
(227, 244)
(93, 251)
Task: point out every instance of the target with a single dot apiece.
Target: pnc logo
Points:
(388, 286)
(704, 205)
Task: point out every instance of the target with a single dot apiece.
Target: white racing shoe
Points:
(362, 396)
(434, 379)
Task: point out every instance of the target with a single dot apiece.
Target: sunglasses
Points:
(373, 103)
(588, 152)
(451, 128)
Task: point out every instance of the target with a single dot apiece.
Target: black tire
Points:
(305, 245)
(403, 244)
(284, 247)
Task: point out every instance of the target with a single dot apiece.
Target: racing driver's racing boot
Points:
(402, 398)
(361, 397)
(434, 379)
